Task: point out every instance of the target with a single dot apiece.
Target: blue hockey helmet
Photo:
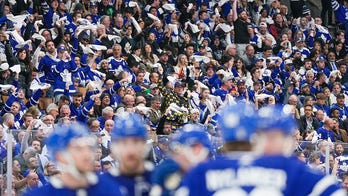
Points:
(191, 135)
(277, 117)
(63, 136)
(129, 125)
(237, 122)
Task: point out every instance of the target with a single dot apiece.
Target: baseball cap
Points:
(263, 24)
(152, 86)
(179, 84)
(51, 106)
(240, 81)
(304, 85)
(267, 73)
(164, 53)
(341, 95)
(93, 4)
(259, 59)
(320, 59)
(201, 46)
(61, 48)
(4, 67)
(287, 61)
(227, 78)
(163, 140)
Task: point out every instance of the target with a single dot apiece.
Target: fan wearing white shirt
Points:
(106, 132)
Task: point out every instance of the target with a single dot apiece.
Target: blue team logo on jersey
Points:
(342, 166)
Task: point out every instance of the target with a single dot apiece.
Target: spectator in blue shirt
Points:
(325, 132)
(341, 106)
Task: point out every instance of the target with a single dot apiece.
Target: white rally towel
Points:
(4, 87)
(98, 47)
(153, 17)
(200, 58)
(39, 37)
(17, 20)
(16, 68)
(193, 27)
(169, 6)
(115, 37)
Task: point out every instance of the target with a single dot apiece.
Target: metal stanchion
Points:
(9, 159)
(327, 158)
(9, 163)
(2, 168)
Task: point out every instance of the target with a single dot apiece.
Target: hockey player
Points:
(129, 147)
(73, 150)
(187, 148)
(275, 133)
(266, 175)
(237, 125)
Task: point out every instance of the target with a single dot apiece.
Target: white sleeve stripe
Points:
(322, 185)
(335, 5)
(183, 191)
(340, 192)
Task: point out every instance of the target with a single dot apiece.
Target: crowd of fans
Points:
(173, 62)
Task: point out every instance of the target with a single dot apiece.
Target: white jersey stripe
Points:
(322, 185)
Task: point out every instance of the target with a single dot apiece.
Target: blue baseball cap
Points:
(259, 59)
(179, 84)
(163, 140)
(320, 58)
(61, 48)
(93, 4)
(129, 125)
(304, 85)
(63, 136)
(237, 122)
(276, 117)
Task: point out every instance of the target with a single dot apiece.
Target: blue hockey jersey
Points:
(103, 187)
(340, 11)
(138, 185)
(45, 66)
(167, 176)
(272, 175)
